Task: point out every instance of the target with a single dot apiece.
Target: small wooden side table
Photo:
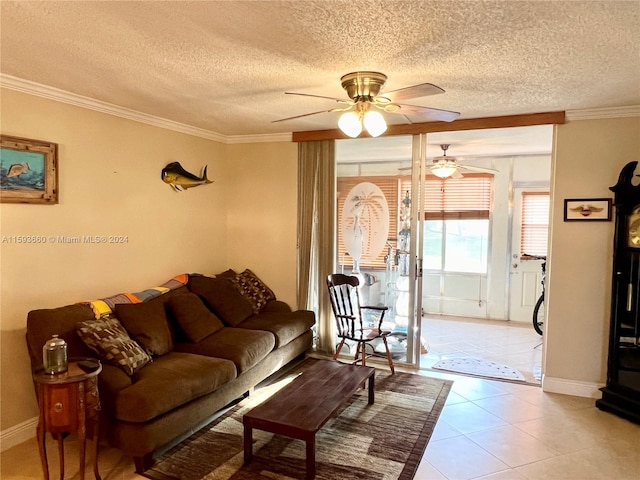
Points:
(69, 403)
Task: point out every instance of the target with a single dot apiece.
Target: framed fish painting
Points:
(28, 171)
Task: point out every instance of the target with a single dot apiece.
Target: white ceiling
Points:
(223, 66)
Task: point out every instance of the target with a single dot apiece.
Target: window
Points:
(534, 229)
(456, 245)
(457, 212)
(456, 229)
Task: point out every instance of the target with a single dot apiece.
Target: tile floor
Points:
(509, 343)
(509, 431)
(488, 429)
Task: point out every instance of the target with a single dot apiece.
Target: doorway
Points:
(481, 301)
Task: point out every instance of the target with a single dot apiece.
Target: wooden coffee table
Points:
(301, 408)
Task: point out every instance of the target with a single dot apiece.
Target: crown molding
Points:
(260, 138)
(601, 113)
(52, 93)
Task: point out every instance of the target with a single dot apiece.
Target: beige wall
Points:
(261, 213)
(109, 184)
(588, 157)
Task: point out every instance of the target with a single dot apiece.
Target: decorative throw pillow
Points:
(148, 324)
(194, 318)
(108, 338)
(222, 298)
(229, 273)
(254, 289)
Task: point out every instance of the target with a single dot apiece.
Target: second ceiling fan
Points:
(366, 103)
(444, 166)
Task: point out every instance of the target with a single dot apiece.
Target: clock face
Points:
(633, 230)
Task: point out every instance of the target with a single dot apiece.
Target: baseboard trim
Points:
(571, 387)
(18, 433)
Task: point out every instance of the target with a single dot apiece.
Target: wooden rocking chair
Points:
(345, 302)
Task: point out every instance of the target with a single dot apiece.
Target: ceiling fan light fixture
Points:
(350, 124)
(444, 166)
(374, 123)
(364, 90)
(443, 171)
(363, 84)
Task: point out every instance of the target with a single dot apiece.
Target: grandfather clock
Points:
(621, 395)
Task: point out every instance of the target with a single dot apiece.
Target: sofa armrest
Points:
(276, 306)
(43, 323)
(111, 380)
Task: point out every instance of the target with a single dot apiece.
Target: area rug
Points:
(382, 441)
(480, 368)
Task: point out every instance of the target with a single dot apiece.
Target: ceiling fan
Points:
(444, 166)
(365, 104)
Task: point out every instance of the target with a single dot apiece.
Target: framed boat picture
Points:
(28, 171)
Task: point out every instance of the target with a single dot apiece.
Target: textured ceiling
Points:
(224, 66)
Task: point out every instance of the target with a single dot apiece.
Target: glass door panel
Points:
(375, 223)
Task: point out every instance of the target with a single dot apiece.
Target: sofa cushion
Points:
(147, 323)
(169, 382)
(193, 317)
(285, 326)
(245, 348)
(253, 289)
(222, 298)
(108, 338)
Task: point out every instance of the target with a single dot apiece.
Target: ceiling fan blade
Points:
(304, 115)
(428, 113)
(415, 91)
(477, 169)
(341, 100)
(457, 174)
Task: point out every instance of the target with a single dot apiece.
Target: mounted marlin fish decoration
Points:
(180, 179)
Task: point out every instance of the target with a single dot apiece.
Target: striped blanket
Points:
(105, 306)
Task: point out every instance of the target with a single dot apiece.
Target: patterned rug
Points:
(382, 441)
(480, 368)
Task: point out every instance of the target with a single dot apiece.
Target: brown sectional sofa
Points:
(208, 344)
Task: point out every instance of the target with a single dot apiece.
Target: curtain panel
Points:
(316, 234)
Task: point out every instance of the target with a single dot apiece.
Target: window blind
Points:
(535, 223)
(389, 186)
(469, 197)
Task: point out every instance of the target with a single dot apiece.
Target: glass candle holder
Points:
(54, 355)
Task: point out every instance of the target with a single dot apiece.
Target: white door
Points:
(525, 275)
